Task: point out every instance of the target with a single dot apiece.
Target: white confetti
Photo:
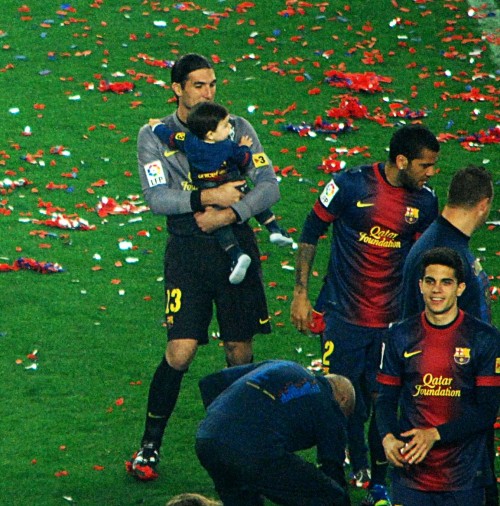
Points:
(125, 245)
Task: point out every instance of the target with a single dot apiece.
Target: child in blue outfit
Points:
(214, 160)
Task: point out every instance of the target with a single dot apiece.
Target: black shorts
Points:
(197, 279)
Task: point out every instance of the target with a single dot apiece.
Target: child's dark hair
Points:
(204, 117)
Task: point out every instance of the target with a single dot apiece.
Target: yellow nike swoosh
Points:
(364, 204)
(408, 354)
(150, 415)
(167, 153)
(262, 322)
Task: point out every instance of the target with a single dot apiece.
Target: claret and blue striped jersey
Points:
(374, 226)
(437, 373)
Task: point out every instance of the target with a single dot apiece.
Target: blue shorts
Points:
(351, 350)
(404, 496)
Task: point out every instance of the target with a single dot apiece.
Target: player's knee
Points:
(180, 354)
(238, 353)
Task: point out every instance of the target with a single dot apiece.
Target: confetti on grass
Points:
(30, 264)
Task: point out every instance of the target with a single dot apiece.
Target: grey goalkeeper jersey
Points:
(166, 181)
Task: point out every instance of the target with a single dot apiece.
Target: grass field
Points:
(78, 347)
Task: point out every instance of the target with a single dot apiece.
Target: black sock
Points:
(379, 463)
(163, 394)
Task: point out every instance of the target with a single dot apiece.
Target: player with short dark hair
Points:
(377, 212)
(441, 373)
(470, 196)
(195, 266)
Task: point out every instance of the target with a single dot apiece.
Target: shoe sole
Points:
(240, 269)
(141, 473)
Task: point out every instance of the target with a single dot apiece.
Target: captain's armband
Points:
(260, 160)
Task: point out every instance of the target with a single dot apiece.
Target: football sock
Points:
(379, 463)
(163, 394)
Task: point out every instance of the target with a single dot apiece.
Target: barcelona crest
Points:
(411, 215)
(462, 356)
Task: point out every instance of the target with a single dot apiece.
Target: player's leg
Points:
(377, 493)
(344, 352)
(188, 314)
(228, 472)
(289, 480)
(165, 387)
(162, 398)
(238, 353)
(378, 460)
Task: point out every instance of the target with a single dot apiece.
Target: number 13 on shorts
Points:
(174, 300)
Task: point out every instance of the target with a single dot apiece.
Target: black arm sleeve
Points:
(386, 411)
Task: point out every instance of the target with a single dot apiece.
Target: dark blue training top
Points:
(475, 299)
(273, 407)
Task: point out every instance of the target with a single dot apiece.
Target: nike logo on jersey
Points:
(364, 204)
(263, 321)
(408, 354)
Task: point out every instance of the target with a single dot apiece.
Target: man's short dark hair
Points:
(410, 141)
(443, 256)
(204, 117)
(469, 186)
(185, 65)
